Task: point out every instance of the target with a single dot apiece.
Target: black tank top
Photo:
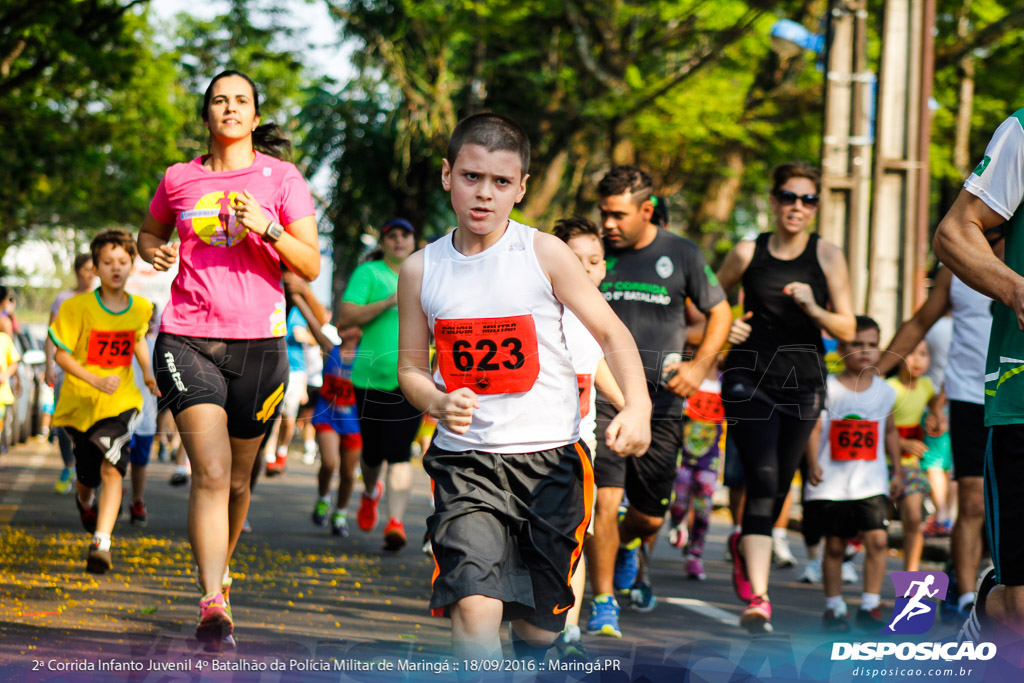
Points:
(785, 349)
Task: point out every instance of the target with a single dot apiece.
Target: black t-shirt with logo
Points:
(647, 288)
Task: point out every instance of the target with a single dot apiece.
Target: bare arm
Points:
(630, 430)
(735, 264)
(454, 410)
(350, 314)
(107, 385)
(892, 449)
(142, 355)
(605, 382)
(813, 467)
(910, 333)
(153, 246)
(961, 245)
(840, 321)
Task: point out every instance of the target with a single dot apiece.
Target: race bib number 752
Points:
(111, 349)
(488, 355)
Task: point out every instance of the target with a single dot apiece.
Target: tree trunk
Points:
(961, 144)
(719, 199)
(545, 188)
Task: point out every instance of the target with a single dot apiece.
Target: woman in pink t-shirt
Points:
(220, 358)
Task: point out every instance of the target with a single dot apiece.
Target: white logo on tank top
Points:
(664, 267)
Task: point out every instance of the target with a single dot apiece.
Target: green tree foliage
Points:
(87, 113)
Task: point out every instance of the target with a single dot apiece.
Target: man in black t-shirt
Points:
(651, 274)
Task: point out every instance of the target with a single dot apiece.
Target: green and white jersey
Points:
(999, 182)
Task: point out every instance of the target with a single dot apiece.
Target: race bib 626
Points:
(488, 355)
(852, 439)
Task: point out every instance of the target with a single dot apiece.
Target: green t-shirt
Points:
(376, 363)
(999, 183)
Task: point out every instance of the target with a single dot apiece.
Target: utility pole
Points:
(847, 141)
(899, 234)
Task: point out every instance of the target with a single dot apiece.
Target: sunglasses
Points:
(785, 197)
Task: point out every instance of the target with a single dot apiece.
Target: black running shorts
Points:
(647, 479)
(109, 439)
(388, 423)
(245, 377)
(1004, 501)
(510, 527)
(847, 518)
(968, 438)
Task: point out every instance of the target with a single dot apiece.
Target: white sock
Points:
(282, 451)
(572, 633)
(965, 599)
(836, 604)
(325, 499)
(180, 469)
(737, 528)
(311, 446)
(92, 501)
(102, 540)
(779, 533)
(869, 601)
(375, 494)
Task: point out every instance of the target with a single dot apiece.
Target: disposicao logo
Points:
(914, 613)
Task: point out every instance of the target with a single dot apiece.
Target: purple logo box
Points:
(917, 598)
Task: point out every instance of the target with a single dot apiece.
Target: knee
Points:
(212, 475)
(972, 509)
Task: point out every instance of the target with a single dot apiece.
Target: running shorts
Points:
(140, 448)
(388, 423)
(647, 479)
(109, 439)
(510, 527)
(968, 437)
(293, 394)
(847, 518)
(245, 377)
(1004, 501)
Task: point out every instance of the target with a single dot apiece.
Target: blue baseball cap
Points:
(397, 223)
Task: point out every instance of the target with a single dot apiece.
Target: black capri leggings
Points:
(388, 423)
(770, 430)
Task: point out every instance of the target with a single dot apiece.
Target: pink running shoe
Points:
(757, 617)
(740, 581)
(215, 623)
(695, 568)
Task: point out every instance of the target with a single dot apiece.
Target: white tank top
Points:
(498, 330)
(586, 355)
(972, 323)
(858, 470)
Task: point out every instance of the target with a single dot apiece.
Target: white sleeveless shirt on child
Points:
(498, 330)
(851, 449)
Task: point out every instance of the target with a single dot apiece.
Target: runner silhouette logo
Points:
(917, 597)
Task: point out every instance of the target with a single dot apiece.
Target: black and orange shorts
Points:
(510, 527)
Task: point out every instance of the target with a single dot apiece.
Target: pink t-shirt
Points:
(229, 280)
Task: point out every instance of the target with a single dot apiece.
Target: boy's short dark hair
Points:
(116, 237)
(623, 179)
(81, 260)
(492, 131)
(782, 173)
(865, 322)
(567, 228)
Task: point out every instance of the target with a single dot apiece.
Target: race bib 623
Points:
(488, 355)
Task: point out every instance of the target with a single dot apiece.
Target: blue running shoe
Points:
(641, 596)
(627, 566)
(604, 617)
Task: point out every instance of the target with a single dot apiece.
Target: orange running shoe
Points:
(394, 535)
(367, 515)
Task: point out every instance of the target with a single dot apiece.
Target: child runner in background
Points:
(698, 473)
(145, 430)
(337, 432)
(96, 334)
(314, 381)
(512, 483)
(585, 239)
(848, 478)
(915, 393)
(9, 358)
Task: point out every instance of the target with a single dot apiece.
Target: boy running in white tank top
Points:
(848, 478)
(512, 484)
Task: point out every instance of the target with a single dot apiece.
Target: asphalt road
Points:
(309, 606)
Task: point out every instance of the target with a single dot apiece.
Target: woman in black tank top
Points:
(773, 384)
